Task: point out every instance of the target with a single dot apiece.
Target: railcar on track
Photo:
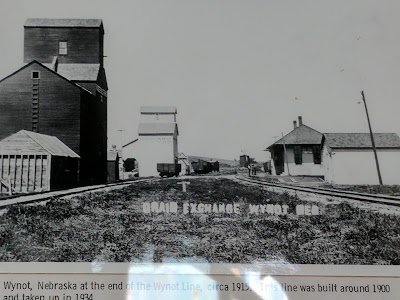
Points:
(168, 170)
(205, 167)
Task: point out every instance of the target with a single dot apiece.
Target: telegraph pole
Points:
(284, 149)
(123, 170)
(372, 139)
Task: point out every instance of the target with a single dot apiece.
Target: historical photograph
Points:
(200, 132)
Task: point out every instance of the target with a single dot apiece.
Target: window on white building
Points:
(298, 155)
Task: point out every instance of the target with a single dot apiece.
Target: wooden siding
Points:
(112, 171)
(76, 117)
(41, 44)
(32, 163)
(93, 140)
(27, 172)
(59, 106)
(64, 172)
(36, 172)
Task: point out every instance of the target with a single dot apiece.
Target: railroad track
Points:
(45, 196)
(373, 198)
(34, 198)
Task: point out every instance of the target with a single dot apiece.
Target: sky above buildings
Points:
(239, 72)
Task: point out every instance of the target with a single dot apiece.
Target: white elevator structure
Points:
(157, 138)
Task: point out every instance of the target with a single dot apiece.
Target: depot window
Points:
(298, 155)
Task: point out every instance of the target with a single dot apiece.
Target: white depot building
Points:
(157, 139)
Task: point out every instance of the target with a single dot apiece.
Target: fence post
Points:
(9, 185)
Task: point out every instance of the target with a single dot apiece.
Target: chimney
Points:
(300, 121)
(294, 124)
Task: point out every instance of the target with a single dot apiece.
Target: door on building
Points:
(279, 161)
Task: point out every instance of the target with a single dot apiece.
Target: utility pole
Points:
(372, 139)
(123, 169)
(284, 149)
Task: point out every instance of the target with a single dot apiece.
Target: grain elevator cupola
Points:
(79, 41)
(74, 48)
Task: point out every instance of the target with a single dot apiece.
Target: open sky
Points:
(239, 72)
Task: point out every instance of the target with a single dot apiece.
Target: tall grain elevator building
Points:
(157, 139)
(61, 90)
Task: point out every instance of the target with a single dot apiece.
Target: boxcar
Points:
(216, 166)
(202, 167)
(168, 170)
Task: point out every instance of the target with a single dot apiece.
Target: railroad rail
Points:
(373, 198)
(45, 196)
(350, 195)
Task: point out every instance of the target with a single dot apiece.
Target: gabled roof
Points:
(361, 140)
(158, 110)
(27, 141)
(301, 135)
(157, 128)
(39, 22)
(78, 72)
(46, 66)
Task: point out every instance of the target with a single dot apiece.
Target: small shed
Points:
(183, 160)
(112, 166)
(36, 162)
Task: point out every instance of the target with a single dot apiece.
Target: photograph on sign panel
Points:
(201, 132)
